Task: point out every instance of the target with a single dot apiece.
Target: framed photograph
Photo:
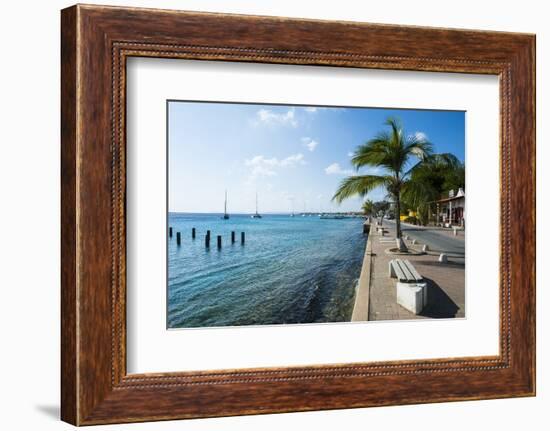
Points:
(266, 215)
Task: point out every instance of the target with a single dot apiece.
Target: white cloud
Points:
(311, 144)
(295, 159)
(262, 171)
(350, 153)
(421, 136)
(267, 167)
(311, 109)
(336, 169)
(266, 116)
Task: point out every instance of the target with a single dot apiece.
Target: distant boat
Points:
(225, 215)
(256, 215)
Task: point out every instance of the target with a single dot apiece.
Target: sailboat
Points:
(225, 215)
(256, 215)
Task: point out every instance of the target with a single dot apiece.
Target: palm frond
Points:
(418, 192)
(358, 185)
(415, 168)
(374, 152)
(419, 147)
(446, 160)
(396, 127)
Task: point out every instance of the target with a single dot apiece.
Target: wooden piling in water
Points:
(178, 238)
(219, 241)
(170, 232)
(193, 233)
(207, 240)
(232, 237)
(242, 238)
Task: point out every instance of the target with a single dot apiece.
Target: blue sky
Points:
(292, 156)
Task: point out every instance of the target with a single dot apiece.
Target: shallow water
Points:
(290, 270)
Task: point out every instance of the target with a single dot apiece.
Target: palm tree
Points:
(368, 207)
(393, 151)
(429, 180)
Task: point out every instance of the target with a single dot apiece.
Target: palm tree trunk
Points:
(397, 216)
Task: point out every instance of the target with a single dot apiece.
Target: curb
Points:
(361, 305)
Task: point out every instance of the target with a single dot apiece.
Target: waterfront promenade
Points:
(446, 282)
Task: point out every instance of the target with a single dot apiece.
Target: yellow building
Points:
(411, 214)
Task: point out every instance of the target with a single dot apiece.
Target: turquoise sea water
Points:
(290, 270)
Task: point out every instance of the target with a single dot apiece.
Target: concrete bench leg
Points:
(412, 296)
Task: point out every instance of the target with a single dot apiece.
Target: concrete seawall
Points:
(361, 305)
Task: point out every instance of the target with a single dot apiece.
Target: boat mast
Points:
(256, 214)
(225, 215)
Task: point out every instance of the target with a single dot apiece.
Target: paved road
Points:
(437, 242)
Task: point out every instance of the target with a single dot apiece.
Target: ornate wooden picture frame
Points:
(96, 42)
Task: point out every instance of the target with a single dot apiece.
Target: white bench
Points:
(411, 289)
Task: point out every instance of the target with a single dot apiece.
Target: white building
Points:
(450, 211)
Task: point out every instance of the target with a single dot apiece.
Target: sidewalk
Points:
(446, 283)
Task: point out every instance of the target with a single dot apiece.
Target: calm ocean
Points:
(290, 270)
